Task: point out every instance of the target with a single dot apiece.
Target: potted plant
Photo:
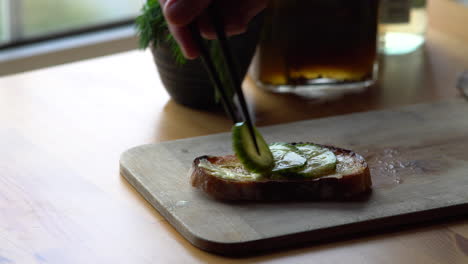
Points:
(187, 81)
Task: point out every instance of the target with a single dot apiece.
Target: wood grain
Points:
(62, 130)
(437, 10)
(418, 176)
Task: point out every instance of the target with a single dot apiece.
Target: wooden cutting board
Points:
(418, 157)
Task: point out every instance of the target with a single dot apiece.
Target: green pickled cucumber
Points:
(287, 158)
(245, 150)
(320, 161)
(310, 150)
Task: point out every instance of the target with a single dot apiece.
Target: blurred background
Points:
(41, 33)
(24, 21)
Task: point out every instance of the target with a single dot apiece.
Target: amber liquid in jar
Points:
(307, 42)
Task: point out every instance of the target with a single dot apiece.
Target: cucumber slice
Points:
(244, 148)
(320, 161)
(287, 158)
(310, 150)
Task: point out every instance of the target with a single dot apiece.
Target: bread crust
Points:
(330, 187)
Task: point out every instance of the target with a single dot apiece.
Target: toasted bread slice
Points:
(225, 178)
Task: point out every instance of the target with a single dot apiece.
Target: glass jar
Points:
(316, 48)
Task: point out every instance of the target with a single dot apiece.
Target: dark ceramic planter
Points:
(189, 84)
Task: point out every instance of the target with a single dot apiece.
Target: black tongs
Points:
(233, 73)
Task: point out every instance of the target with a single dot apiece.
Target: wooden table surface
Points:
(62, 130)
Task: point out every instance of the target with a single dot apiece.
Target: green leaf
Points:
(152, 30)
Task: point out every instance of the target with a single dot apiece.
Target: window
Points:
(3, 21)
(23, 21)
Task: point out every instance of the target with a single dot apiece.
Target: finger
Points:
(183, 36)
(206, 27)
(251, 8)
(233, 29)
(182, 12)
(238, 16)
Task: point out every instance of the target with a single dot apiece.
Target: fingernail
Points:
(234, 29)
(209, 35)
(190, 54)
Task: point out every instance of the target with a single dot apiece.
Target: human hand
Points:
(180, 13)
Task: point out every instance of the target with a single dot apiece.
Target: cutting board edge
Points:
(325, 235)
(294, 239)
(244, 247)
(200, 242)
(151, 199)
